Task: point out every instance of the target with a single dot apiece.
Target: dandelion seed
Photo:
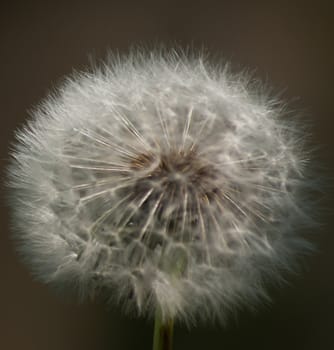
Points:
(162, 182)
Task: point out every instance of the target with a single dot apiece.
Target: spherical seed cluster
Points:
(160, 181)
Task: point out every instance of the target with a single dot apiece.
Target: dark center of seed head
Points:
(178, 170)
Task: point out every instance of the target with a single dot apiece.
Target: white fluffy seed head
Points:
(161, 182)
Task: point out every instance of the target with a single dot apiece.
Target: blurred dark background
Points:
(289, 45)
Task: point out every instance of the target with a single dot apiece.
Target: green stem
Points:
(163, 332)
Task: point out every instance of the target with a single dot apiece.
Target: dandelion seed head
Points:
(162, 182)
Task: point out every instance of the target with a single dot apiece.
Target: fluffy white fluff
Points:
(160, 181)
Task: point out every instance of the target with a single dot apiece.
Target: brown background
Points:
(289, 45)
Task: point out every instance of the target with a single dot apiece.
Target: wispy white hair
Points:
(161, 181)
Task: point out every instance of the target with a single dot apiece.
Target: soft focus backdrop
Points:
(289, 46)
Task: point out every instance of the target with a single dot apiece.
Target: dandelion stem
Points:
(163, 332)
